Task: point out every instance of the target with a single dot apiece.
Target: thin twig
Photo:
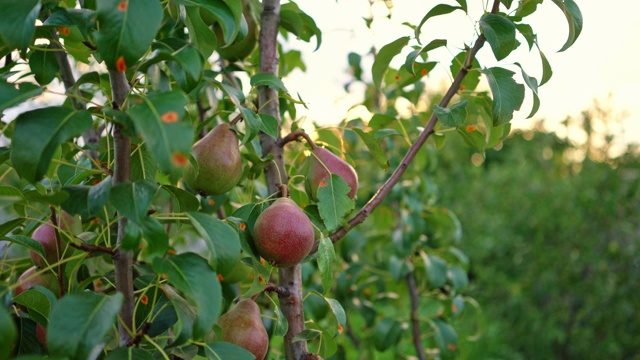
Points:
(385, 189)
(295, 136)
(415, 321)
(144, 329)
(60, 274)
(90, 248)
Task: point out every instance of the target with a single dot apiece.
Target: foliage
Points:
(148, 265)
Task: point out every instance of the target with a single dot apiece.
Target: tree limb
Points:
(415, 321)
(385, 189)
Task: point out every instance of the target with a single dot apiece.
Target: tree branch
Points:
(385, 189)
(415, 321)
(122, 260)
(295, 136)
(290, 278)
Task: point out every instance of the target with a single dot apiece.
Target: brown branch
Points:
(295, 136)
(122, 260)
(282, 292)
(93, 248)
(60, 274)
(235, 119)
(385, 189)
(140, 334)
(415, 321)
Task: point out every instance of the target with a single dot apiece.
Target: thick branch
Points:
(385, 189)
(290, 278)
(122, 260)
(415, 322)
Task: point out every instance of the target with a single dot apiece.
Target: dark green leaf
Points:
(296, 21)
(9, 333)
(158, 118)
(532, 83)
(436, 269)
(222, 14)
(11, 96)
(463, 5)
(528, 34)
(129, 353)
(226, 351)
(507, 94)
(387, 333)
(326, 257)
(446, 338)
(546, 69)
(574, 19)
(43, 64)
(270, 125)
(187, 67)
(374, 147)
(380, 121)
(411, 58)
(500, 33)
(333, 202)
(306, 335)
(472, 79)
(27, 242)
(126, 29)
(87, 201)
(527, 7)
(8, 226)
(440, 9)
(507, 3)
(384, 57)
(222, 240)
(473, 137)
(268, 79)
(192, 275)
(19, 23)
(327, 345)
(37, 303)
(454, 116)
(143, 166)
(201, 35)
(10, 195)
(38, 134)
(183, 201)
(132, 200)
(156, 237)
(78, 323)
(458, 278)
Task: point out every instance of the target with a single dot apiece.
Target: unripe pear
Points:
(219, 162)
(283, 234)
(243, 326)
(323, 163)
(28, 279)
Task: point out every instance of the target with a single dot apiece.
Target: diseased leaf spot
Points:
(211, 202)
(121, 65)
(470, 128)
(462, 87)
(123, 5)
(144, 299)
(63, 30)
(398, 78)
(169, 117)
(243, 226)
(179, 159)
(322, 184)
(451, 347)
(220, 277)
(424, 72)
(454, 308)
(171, 252)
(340, 328)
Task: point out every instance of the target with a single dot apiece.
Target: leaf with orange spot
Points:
(121, 64)
(123, 5)
(179, 159)
(144, 299)
(333, 202)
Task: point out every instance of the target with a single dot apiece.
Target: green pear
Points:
(29, 279)
(322, 164)
(219, 162)
(283, 234)
(243, 326)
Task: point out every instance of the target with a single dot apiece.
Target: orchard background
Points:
(144, 266)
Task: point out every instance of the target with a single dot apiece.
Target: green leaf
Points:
(126, 29)
(8, 226)
(27, 242)
(10, 195)
(326, 258)
(387, 333)
(201, 35)
(532, 83)
(327, 345)
(185, 312)
(500, 33)
(463, 5)
(129, 353)
(411, 58)
(132, 200)
(223, 350)
(307, 335)
(473, 138)
(268, 79)
(380, 121)
(158, 117)
(507, 94)
(222, 240)
(11, 96)
(507, 3)
(527, 33)
(440, 9)
(472, 79)
(18, 24)
(446, 338)
(183, 201)
(527, 7)
(574, 19)
(270, 125)
(38, 134)
(37, 303)
(79, 322)
(436, 269)
(374, 147)
(156, 237)
(87, 201)
(297, 22)
(333, 202)
(43, 64)
(384, 57)
(187, 67)
(9, 333)
(192, 275)
(454, 116)
(458, 278)
(227, 20)
(143, 166)
(547, 72)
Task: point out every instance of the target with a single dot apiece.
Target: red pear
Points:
(323, 163)
(283, 234)
(29, 279)
(243, 326)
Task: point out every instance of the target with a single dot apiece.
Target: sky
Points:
(600, 65)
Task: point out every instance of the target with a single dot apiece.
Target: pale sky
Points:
(601, 62)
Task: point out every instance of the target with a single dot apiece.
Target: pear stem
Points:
(235, 120)
(295, 136)
(284, 190)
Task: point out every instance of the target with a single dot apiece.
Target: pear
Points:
(45, 234)
(28, 279)
(323, 163)
(219, 162)
(243, 326)
(283, 234)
